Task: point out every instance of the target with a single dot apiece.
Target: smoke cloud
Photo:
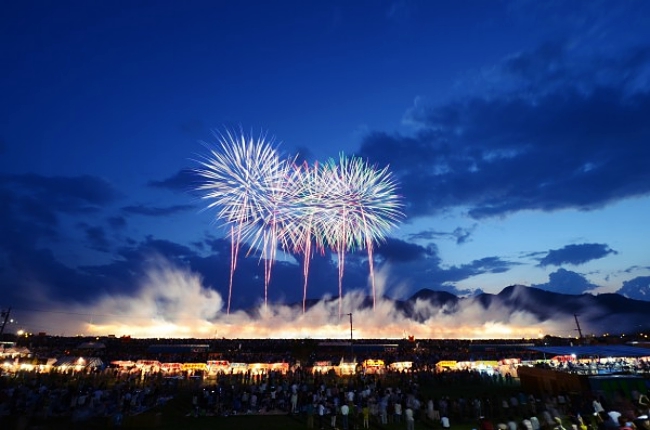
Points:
(172, 302)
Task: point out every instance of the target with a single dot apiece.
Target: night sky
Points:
(518, 132)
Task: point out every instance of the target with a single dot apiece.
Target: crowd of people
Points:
(323, 401)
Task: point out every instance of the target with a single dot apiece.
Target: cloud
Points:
(116, 222)
(566, 282)
(185, 180)
(413, 267)
(637, 288)
(396, 250)
(79, 194)
(34, 206)
(460, 234)
(156, 211)
(96, 237)
(576, 254)
(548, 130)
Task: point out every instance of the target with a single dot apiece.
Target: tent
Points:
(594, 351)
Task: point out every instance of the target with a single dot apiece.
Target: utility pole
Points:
(5, 317)
(351, 347)
(578, 326)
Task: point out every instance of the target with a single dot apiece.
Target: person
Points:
(485, 424)
(345, 411)
(558, 424)
(365, 411)
(444, 421)
(624, 424)
(644, 404)
(410, 419)
(534, 421)
(581, 423)
(598, 406)
(321, 415)
(310, 415)
(398, 413)
(527, 424)
(294, 402)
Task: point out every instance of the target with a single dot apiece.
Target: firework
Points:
(358, 206)
(270, 203)
(245, 182)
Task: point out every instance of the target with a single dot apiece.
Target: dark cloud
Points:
(576, 254)
(571, 134)
(79, 194)
(96, 237)
(474, 268)
(185, 180)
(421, 267)
(460, 235)
(153, 211)
(396, 250)
(116, 222)
(566, 282)
(637, 288)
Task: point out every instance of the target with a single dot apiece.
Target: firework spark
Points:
(245, 182)
(271, 203)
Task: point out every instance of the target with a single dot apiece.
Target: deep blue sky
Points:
(518, 131)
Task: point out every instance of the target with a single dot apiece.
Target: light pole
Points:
(351, 347)
(5, 317)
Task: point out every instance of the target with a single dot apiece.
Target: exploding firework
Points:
(271, 203)
(246, 183)
(363, 208)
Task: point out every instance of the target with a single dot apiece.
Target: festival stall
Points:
(374, 366)
(238, 368)
(25, 364)
(216, 367)
(322, 367)
(170, 369)
(446, 365)
(148, 365)
(346, 368)
(77, 364)
(195, 369)
(282, 368)
(401, 366)
(258, 368)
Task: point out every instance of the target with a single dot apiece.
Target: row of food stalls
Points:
(213, 368)
(503, 367)
(225, 367)
(368, 367)
(61, 365)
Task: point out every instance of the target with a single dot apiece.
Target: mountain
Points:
(599, 314)
(596, 313)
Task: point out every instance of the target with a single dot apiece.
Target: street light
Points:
(351, 347)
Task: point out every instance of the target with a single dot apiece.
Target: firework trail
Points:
(269, 203)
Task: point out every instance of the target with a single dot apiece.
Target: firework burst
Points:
(271, 203)
(245, 182)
